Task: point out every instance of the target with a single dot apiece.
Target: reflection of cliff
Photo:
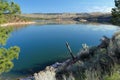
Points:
(43, 22)
(7, 55)
(91, 63)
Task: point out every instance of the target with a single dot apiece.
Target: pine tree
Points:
(116, 13)
(9, 7)
(7, 55)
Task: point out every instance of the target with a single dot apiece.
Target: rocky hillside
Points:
(8, 18)
(79, 17)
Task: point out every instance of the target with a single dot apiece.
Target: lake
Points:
(43, 45)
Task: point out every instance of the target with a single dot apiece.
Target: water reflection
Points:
(103, 27)
(43, 45)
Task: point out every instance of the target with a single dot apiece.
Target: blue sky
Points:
(65, 6)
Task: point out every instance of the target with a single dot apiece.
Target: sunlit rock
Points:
(47, 74)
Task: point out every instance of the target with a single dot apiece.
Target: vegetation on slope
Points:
(115, 75)
(77, 17)
(9, 11)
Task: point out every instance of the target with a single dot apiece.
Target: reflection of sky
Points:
(43, 44)
(104, 28)
(95, 27)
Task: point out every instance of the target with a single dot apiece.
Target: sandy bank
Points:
(16, 23)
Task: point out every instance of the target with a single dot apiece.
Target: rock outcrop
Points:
(91, 63)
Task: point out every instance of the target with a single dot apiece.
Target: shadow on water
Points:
(37, 67)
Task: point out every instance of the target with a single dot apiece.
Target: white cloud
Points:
(99, 9)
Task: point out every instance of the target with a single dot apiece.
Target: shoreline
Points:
(16, 23)
(77, 64)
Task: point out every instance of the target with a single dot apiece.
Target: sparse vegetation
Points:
(90, 17)
(115, 75)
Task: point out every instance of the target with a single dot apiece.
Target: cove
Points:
(43, 45)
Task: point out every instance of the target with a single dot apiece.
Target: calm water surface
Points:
(42, 45)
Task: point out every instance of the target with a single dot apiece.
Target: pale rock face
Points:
(48, 74)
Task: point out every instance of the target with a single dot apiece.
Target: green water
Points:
(43, 45)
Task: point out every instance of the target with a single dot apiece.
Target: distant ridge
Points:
(84, 17)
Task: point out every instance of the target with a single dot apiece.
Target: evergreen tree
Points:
(7, 55)
(116, 13)
(14, 8)
(9, 7)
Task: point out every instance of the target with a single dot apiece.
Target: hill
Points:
(79, 17)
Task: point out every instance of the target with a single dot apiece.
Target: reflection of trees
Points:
(7, 55)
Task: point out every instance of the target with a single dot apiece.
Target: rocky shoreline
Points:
(16, 23)
(88, 63)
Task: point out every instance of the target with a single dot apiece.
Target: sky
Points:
(65, 6)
